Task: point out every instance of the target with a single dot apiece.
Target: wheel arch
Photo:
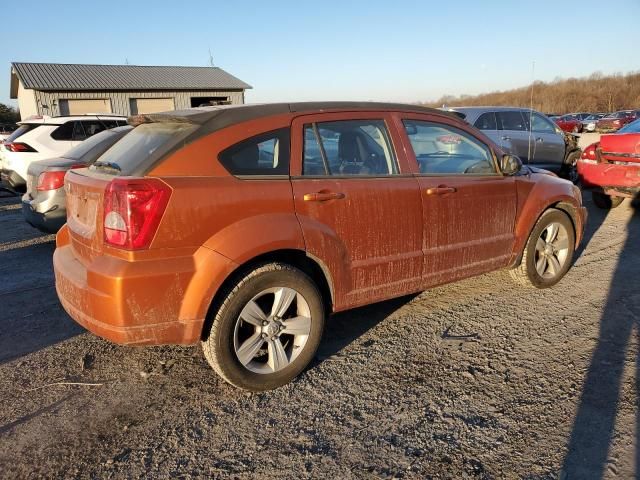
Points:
(562, 205)
(310, 265)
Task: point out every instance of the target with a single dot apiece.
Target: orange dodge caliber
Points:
(243, 227)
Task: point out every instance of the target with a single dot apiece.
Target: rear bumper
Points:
(12, 179)
(148, 302)
(610, 176)
(49, 219)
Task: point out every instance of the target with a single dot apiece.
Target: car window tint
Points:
(541, 124)
(513, 120)
(95, 126)
(348, 147)
(78, 132)
(64, 132)
(486, 121)
(442, 149)
(265, 154)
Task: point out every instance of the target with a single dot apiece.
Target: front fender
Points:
(535, 195)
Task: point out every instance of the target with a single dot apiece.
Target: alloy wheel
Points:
(272, 330)
(552, 249)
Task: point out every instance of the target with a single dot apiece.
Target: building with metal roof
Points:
(73, 89)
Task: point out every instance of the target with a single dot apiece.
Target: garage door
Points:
(80, 106)
(151, 105)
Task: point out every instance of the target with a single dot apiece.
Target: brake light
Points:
(589, 154)
(18, 147)
(53, 180)
(133, 209)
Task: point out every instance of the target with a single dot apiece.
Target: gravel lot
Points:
(478, 379)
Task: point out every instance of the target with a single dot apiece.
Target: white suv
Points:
(45, 137)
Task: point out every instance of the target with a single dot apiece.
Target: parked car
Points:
(44, 203)
(611, 167)
(569, 123)
(542, 143)
(39, 138)
(616, 120)
(241, 228)
(589, 123)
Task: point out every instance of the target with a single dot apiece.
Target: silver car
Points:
(589, 123)
(44, 204)
(527, 134)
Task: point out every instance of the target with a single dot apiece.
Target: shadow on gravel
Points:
(344, 328)
(31, 317)
(593, 427)
(596, 218)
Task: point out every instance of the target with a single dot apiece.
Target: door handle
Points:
(323, 196)
(506, 138)
(539, 139)
(440, 190)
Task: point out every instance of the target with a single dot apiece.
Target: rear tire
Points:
(267, 329)
(548, 252)
(604, 201)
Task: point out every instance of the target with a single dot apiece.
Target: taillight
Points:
(589, 154)
(18, 147)
(133, 209)
(52, 180)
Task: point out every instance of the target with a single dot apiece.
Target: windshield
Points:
(142, 146)
(633, 127)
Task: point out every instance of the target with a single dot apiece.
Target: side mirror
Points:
(510, 164)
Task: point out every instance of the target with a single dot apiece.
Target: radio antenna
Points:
(533, 77)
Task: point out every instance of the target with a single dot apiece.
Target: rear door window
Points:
(264, 154)
(348, 147)
(511, 120)
(64, 132)
(486, 121)
(78, 134)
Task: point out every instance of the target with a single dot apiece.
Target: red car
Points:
(616, 120)
(612, 166)
(569, 123)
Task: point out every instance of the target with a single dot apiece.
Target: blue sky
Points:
(362, 50)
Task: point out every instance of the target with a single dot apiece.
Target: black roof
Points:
(216, 118)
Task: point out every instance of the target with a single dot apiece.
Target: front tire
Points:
(569, 170)
(604, 201)
(267, 329)
(548, 252)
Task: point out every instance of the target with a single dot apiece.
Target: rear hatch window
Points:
(21, 130)
(141, 148)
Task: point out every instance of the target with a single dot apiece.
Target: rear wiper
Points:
(107, 166)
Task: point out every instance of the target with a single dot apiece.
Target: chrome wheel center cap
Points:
(548, 249)
(272, 329)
